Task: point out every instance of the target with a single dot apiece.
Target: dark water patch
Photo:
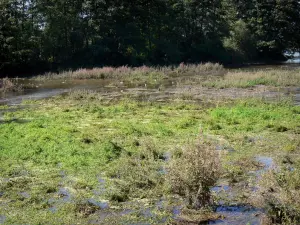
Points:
(234, 213)
(238, 214)
(64, 194)
(266, 161)
(220, 188)
(297, 99)
(176, 211)
(1, 194)
(101, 181)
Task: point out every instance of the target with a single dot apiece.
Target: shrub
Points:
(192, 175)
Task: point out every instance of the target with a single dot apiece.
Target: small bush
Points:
(192, 175)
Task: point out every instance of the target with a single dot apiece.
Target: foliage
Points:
(43, 35)
(241, 41)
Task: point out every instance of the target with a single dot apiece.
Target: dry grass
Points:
(7, 85)
(279, 77)
(125, 71)
(194, 173)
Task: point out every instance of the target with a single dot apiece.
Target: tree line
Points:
(42, 35)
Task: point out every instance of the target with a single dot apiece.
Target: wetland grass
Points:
(246, 79)
(8, 85)
(52, 163)
(208, 75)
(137, 73)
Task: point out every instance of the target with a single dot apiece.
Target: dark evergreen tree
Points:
(41, 35)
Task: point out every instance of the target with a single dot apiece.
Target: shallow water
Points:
(235, 214)
(266, 161)
(36, 94)
(238, 214)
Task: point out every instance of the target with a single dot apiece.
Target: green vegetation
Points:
(68, 157)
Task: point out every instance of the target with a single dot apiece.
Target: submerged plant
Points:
(194, 173)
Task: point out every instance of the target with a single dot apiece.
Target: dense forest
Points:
(42, 35)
